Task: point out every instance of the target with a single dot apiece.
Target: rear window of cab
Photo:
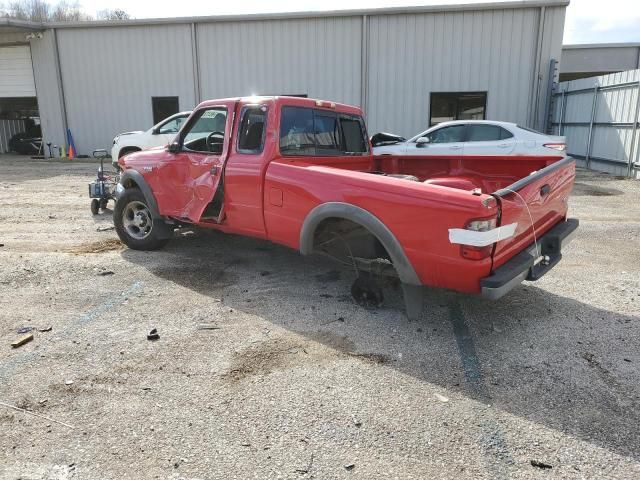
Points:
(316, 132)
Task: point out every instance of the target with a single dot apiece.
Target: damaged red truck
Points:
(300, 172)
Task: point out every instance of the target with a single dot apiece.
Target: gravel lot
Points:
(296, 381)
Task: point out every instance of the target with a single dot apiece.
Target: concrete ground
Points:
(291, 379)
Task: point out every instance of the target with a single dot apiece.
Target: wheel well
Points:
(129, 183)
(126, 150)
(352, 244)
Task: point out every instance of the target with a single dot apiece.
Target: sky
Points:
(588, 21)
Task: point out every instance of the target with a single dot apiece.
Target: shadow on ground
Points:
(533, 354)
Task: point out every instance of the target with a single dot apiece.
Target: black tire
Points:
(138, 231)
(95, 206)
(103, 203)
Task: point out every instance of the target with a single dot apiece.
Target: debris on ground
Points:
(307, 469)
(22, 330)
(22, 340)
(208, 326)
(442, 398)
(350, 466)
(153, 334)
(68, 382)
(105, 273)
(28, 412)
(105, 228)
(48, 328)
(539, 464)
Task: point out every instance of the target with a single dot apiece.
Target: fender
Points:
(137, 178)
(362, 217)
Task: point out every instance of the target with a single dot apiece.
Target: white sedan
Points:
(475, 138)
(157, 136)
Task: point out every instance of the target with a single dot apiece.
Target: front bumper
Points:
(528, 264)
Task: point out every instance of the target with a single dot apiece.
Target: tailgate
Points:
(535, 204)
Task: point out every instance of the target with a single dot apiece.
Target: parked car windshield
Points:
(172, 126)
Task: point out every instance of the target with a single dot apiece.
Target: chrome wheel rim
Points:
(137, 220)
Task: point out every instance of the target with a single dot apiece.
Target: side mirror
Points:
(422, 142)
(173, 147)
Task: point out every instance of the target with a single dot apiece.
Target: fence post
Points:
(593, 117)
(632, 150)
(563, 106)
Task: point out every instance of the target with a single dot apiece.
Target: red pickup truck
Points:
(300, 172)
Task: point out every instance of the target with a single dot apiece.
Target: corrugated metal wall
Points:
(8, 128)
(110, 74)
(17, 74)
(387, 63)
(47, 88)
(614, 143)
(320, 57)
(411, 56)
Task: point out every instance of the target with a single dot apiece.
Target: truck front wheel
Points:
(134, 224)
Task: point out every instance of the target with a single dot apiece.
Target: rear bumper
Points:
(527, 265)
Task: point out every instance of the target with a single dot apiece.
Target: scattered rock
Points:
(22, 330)
(153, 335)
(22, 340)
(105, 228)
(48, 328)
(68, 382)
(105, 273)
(350, 466)
(442, 398)
(542, 465)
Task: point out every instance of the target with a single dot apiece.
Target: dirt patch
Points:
(376, 358)
(266, 357)
(101, 246)
(586, 190)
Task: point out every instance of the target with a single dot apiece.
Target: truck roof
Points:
(279, 100)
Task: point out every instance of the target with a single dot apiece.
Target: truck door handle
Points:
(503, 145)
(544, 190)
(215, 170)
(455, 147)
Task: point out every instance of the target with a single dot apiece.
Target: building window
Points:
(164, 107)
(447, 106)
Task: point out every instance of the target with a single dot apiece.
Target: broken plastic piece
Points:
(153, 334)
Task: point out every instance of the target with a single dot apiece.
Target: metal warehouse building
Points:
(407, 67)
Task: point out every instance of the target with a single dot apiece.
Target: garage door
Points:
(17, 73)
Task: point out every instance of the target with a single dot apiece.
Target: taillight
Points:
(561, 147)
(478, 253)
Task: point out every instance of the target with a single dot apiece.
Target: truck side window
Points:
(297, 131)
(353, 137)
(252, 128)
(206, 131)
(326, 134)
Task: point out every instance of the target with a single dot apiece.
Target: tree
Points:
(62, 11)
(115, 14)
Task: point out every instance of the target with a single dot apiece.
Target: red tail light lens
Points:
(561, 147)
(478, 253)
